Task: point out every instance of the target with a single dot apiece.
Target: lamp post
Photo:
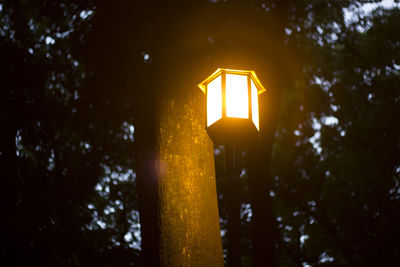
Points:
(232, 120)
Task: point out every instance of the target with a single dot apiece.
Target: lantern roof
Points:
(260, 87)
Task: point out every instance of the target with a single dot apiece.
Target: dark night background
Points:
(73, 76)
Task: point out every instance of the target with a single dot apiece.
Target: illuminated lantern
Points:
(232, 113)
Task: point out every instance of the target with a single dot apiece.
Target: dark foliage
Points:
(66, 141)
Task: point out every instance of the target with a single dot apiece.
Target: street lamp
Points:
(232, 113)
(232, 119)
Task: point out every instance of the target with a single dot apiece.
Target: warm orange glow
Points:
(237, 97)
(214, 101)
(254, 105)
(231, 86)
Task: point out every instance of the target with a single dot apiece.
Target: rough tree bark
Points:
(177, 180)
(189, 222)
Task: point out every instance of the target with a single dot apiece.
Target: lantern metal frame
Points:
(230, 130)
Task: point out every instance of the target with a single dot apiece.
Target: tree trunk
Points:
(177, 177)
(189, 221)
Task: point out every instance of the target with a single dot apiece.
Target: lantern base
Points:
(233, 131)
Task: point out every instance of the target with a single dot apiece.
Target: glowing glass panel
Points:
(237, 98)
(214, 101)
(254, 105)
